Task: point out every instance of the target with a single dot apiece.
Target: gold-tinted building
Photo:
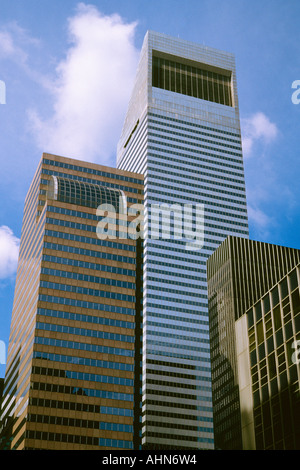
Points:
(70, 377)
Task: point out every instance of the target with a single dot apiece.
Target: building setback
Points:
(239, 273)
(182, 132)
(70, 377)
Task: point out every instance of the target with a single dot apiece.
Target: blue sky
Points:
(68, 69)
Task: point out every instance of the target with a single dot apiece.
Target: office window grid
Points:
(273, 330)
(85, 194)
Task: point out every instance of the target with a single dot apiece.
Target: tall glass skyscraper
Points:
(182, 132)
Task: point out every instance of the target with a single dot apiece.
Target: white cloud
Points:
(17, 46)
(14, 41)
(257, 128)
(258, 218)
(9, 252)
(92, 88)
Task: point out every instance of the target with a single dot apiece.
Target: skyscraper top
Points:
(176, 75)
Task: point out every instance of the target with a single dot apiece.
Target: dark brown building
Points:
(239, 273)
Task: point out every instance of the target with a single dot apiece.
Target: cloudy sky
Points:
(66, 72)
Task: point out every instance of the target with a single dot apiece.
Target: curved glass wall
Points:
(85, 194)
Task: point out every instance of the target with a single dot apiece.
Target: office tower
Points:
(182, 132)
(239, 272)
(70, 378)
(268, 352)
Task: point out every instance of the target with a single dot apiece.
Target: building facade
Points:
(182, 132)
(71, 380)
(268, 361)
(239, 273)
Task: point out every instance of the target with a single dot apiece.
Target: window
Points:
(192, 81)
(84, 194)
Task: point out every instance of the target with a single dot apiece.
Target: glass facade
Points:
(190, 80)
(239, 273)
(274, 344)
(85, 194)
(189, 151)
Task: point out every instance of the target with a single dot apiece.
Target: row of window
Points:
(163, 282)
(222, 232)
(159, 352)
(183, 320)
(189, 143)
(87, 291)
(87, 252)
(79, 423)
(86, 361)
(80, 407)
(86, 215)
(177, 437)
(89, 265)
(152, 289)
(89, 392)
(168, 384)
(239, 185)
(92, 171)
(176, 274)
(170, 394)
(239, 198)
(75, 375)
(97, 349)
(172, 425)
(205, 195)
(84, 304)
(88, 278)
(180, 416)
(175, 345)
(197, 137)
(71, 330)
(206, 184)
(190, 125)
(170, 308)
(114, 443)
(183, 152)
(147, 403)
(178, 208)
(85, 318)
(196, 339)
(74, 439)
(168, 364)
(188, 128)
(186, 268)
(92, 241)
(81, 226)
(156, 248)
(180, 327)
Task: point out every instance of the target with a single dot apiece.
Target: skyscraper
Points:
(70, 377)
(240, 273)
(182, 132)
